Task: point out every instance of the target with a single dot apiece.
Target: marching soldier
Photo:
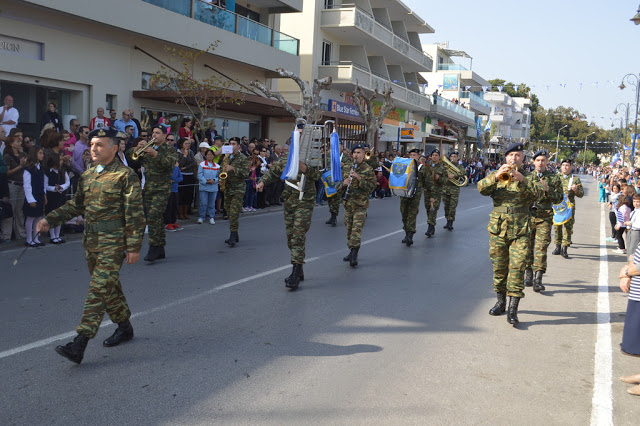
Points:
(358, 183)
(334, 202)
(109, 196)
(432, 204)
(451, 192)
(541, 222)
(410, 207)
(158, 162)
(297, 213)
(572, 187)
(237, 169)
(509, 228)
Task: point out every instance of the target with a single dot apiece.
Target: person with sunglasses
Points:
(125, 121)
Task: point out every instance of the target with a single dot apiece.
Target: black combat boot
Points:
(563, 252)
(537, 282)
(354, 257)
(556, 251)
(406, 235)
(294, 279)
(332, 220)
(347, 258)
(123, 333)
(154, 253)
(449, 225)
(409, 238)
(430, 231)
(500, 306)
(301, 275)
(233, 239)
(512, 314)
(74, 351)
(528, 277)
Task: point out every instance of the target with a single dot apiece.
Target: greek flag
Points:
(336, 167)
(291, 169)
(488, 126)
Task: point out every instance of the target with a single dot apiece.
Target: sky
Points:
(560, 44)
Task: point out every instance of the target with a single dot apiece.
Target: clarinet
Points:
(345, 195)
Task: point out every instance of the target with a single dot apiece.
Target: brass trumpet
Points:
(506, 177)
(140, 151)
(367, 155)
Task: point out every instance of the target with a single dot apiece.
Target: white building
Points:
(88, 54)
(510, 117)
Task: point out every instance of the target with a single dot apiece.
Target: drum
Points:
(403, 178)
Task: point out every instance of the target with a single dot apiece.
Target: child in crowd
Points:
(623, 215)
(208, 177)
(56, 182)
(171, 212)
(613, 200)
(633, 226)
(34, 194)
(602, 186)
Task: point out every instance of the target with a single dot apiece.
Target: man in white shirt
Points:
(8, 114)
(99, 121)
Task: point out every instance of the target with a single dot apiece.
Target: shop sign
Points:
(20, 47)
(406, 133)
(343, 108)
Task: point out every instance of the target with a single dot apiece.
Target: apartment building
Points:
(88, 54)
(510, 119)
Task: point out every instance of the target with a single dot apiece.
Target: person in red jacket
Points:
(382, 185)
(99, 121)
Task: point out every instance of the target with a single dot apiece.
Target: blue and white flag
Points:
(479, 131)
(291, 169)
(336, 166)
(488, 126)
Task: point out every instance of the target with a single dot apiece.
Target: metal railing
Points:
(451, 67)
(347, 64)
(472, 96)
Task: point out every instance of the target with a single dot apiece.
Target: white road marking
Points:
(602, 401)
(69, 335)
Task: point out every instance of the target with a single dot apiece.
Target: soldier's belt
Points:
(104, 226)
(510, 210)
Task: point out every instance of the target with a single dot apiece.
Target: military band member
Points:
(451, 192)
(297, 213)
(438, 176)
(541, 222)
(109, 197)
(564, 231)
(509, 228)
(158, 161)
(410, 206)
(359, 181)
(237, 169)
(334, 202)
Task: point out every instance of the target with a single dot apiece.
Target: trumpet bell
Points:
(223, 175)
(367, 155)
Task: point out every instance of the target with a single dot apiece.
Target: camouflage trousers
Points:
(354, 218)
(105, 292)
(432, 213)
(508, 257)
(155, 203)
(563, 236)
(334, 203)
(233, 200)
(297, 221)
(409, 209)
(450, 197)
(540, 240)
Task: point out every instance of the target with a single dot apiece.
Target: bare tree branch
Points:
(371, 119)
(269, 94)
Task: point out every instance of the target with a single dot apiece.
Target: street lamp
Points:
(558, 140)
(622, 133)
(585, 148)
(635, 83)
(636, 19)
(625, 108)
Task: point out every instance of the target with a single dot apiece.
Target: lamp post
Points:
(635, 83)
(558, 141)
(622, 133)
(585, 149)
(625, 108)
(636, 19)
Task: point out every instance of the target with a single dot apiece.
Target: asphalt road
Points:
(405, 338)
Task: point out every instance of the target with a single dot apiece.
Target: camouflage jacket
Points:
(553, 196)
(440, 170)
(111, 202)
(289, 194)
(511, 217)
(374, 161)
(564, 182)
(236, 178)
(424, 179)
(359, 190)
(158, 170)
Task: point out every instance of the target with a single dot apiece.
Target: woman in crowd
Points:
(250, 199)
(122, 147)
(208, 178)
(16, 159)
(623, 215)
(630, 283)
(188, 166)
(185, 128)
(34, 193)
(203, 148)
(56, 182)
(613, 202)
(27, 143)
(51, 116)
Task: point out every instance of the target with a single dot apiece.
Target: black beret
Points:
(539, 153)
(416, 150)
(108, 132)
(566, 160)
(514, 147)
(435, 151)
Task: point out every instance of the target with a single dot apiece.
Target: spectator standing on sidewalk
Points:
(171, 212)
(208, 172)
(623, 214)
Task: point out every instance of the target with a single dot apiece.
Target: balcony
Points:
(349, 22)
(476, 103)
(232, 22)
(444, 108)
(451, 67)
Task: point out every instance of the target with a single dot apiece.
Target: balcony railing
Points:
(232, 22)
(451, 67)
(472, 96)
(456, 108)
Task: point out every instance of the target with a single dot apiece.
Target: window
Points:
(326, 52)
(110, 102)
(328, 4)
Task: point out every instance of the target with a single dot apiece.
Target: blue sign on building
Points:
(343, 108)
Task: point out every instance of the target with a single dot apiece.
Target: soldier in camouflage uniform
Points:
(359, 181)
(297, 213)
(541, 222)
(438, 176)
(564, 231)
(410, 206)
(237, 170)
(451, 192)
(510, 228)
(335, 200)
(158, 162)
(109, 197)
